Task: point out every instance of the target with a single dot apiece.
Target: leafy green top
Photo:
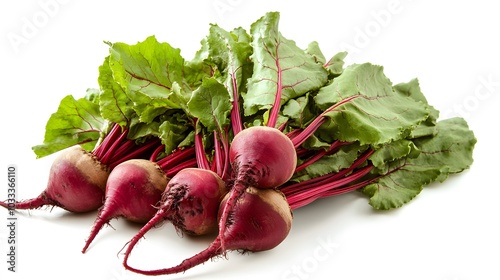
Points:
(334, 114)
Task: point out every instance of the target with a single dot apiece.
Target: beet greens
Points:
(77, 177)
(253, 115)
(351, 128)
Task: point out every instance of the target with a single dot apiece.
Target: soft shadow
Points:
(58, 215)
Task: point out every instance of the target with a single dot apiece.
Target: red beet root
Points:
(262, 157)
(77, 178)
(132, 191)
(260, 220)
(75, 183)
(190, 201)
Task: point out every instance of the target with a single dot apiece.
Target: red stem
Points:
(133, 152)
(345, 189)
(225, 147)
(200, 152)
(273, 116)
(156, 152)
(292, 134)
(104, 215)
(161, 215)
(220, 164)
(212, 251)
(33, 203)
(313, 183)
(305, 197)
(301, 137)
(236, 192)
(333, 147)
(124, 148)
(108, 154)
(174, 170)
(338, 191)
(282, 126)
(109, 138)
(301, 152)
(176, 157)
(236, 122)
(328, 178)
(218, 158)
(317, 122)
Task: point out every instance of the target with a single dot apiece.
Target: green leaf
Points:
(147, 71)
(189, 140)
(93, 95)
(314, 50)
(196, 69)
(139, 129)
(210, 103)
(230, 52)
(114, 103)
(412, 89)
(173, 133)
(336, 64)
(76, 122)
(171, 128)
(280, 68)
(363, 106)
(315, 143)
(449, 151)
(452, 147)
(392, 151)
(299, 111)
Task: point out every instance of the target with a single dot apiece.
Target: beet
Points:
(132, 190)
(76, 183)
(260, 220)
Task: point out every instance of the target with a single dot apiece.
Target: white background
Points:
(450, 232)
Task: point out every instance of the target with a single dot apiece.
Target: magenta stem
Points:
(170, 172)
(133, 152)
(273, 116)
(226, 171)
(200, 152)
(308, 196)
(156, 152)
(218, 158)
(333, 147)
(292, 189)
(110, 151)
(176, 157)
(33, 203)
(212, 251)
(109, 138)
(317, 122)
(236, 122)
